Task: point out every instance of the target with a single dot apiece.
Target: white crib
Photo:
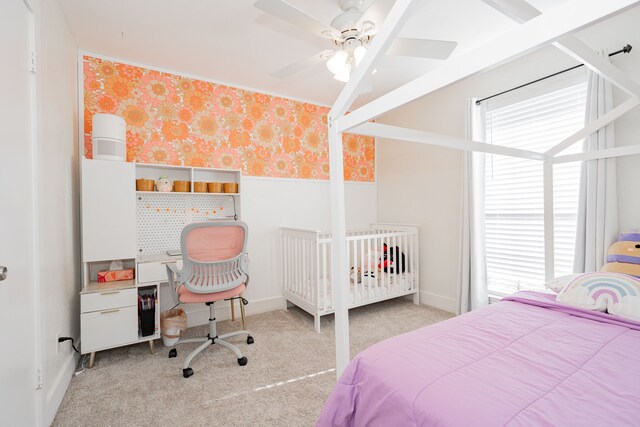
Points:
(307, 267)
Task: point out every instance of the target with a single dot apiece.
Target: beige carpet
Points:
(130, 386)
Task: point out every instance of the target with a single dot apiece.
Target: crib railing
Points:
(307, 272)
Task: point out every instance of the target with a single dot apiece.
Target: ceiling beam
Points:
(390, 28)
(411, 135)
(564, 19)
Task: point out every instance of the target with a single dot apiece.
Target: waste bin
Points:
(172, 323)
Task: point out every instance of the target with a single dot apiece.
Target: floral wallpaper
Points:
(182, 121)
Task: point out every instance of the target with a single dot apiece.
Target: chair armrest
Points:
(173, 267)
(244, 267)
(173, 274)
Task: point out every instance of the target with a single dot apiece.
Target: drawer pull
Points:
(109, 292)
(110, 311)
(170, 262)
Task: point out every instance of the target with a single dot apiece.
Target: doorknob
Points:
(3, 272)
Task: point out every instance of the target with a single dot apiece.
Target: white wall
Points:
(271, 203)
(57, 200)
(422, 184)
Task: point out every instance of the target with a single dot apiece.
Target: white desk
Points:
(119, 223)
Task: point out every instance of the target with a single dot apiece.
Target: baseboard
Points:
(59, 386)
(438, 301)
(200, 316)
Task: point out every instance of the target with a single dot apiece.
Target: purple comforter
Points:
(526, 361)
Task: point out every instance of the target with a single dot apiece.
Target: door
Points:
(18, 396)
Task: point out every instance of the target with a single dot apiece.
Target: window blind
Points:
(514, 208)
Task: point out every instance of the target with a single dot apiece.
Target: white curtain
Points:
(597, 226)
(472, 288)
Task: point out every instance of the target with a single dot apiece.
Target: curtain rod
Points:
(625, 49)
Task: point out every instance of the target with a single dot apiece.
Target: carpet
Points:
(289, 375)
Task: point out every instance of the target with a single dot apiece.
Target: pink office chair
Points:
(214, 268)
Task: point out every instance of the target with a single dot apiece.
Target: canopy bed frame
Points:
(536, 30)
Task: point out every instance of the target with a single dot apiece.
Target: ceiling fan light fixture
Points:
(358, 54)
(368, 28)
(338, 62)
(344, 74)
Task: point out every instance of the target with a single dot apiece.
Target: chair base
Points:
(211, 339)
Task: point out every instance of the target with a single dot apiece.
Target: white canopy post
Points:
(412, 135)
(339, 267)
(594, 126)
(549, 239)
(625, 150)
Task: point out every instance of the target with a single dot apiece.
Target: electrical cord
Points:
(235, 214)
(63, 339)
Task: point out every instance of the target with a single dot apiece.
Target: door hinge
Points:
(39, 382)
(32, 62)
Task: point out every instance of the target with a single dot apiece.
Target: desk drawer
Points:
(107, 300)
(108, 328)
(153, 272)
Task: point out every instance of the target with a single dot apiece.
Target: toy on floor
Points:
(389, 257)
(624, 255)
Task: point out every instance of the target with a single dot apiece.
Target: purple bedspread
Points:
(526, 361)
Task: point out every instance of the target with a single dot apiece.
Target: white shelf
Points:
(187, 192)
(93, 287)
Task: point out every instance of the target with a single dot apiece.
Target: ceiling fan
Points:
(350, 33)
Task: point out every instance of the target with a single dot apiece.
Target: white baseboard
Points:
(438, 301)
(200, 316)
(59, 386)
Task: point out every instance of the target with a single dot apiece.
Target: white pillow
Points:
(558, 283)
(614, 293)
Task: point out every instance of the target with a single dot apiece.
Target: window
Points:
(514, 207)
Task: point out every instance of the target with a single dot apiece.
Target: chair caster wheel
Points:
(242, 361)
(173, 353)
(250, 340)
(188, 372)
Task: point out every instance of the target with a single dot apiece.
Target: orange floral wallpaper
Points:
(181, 121)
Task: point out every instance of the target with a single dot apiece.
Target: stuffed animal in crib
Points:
(390, 259)
(369, 274)
(624, 255)
(356, 275)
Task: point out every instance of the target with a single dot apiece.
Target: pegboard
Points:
(162, 216)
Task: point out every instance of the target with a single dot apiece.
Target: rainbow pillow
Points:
(614, 293)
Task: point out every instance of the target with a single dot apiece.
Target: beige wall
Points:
(57, 199)
(422, 184)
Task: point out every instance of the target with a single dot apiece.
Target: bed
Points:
(525, 361)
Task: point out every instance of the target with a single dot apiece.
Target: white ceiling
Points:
(230, 41)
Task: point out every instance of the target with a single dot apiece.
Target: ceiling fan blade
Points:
(518, 10)
(374, 11)
(423, 48)
(293, 15)
(301, 65)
